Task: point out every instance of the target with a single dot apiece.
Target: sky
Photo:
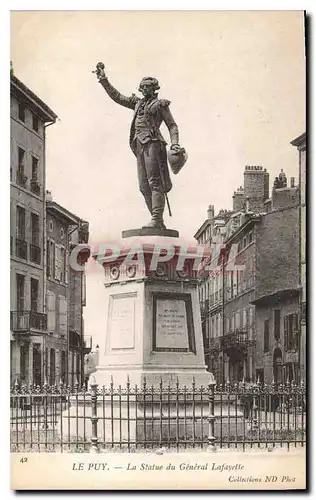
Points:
(236, 82)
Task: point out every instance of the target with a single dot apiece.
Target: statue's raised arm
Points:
(148, 144)
(116, 96)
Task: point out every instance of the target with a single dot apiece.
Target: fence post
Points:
(211, 416)
(94, 417)
(255, 407)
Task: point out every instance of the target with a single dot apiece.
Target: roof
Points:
(19, 89)
(299, 141)
(251, 220)
(276, 296)
(61, 212)
(202, 228)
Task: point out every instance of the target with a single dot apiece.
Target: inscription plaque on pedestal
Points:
(173, 323)
(122, 322)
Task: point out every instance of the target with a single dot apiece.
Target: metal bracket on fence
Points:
(94, 417)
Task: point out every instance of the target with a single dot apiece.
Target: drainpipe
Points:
(223, 308)
(44, 246)
(69, 232)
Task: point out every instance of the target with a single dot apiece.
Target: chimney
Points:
(292, 180)
(256, 187)
(210, 212)
(238, 199)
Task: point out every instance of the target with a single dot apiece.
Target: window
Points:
(24, 361)
(35, 123)
(20, 223)
(34, 168)
(20, 176)
(35, 229)
(291, 332)
(46, 365)
(62, 264)
(51, 225)
(34, 294)
(277, 324)
(20, 282)
(227, 325)
(21, 245)
(63, 366)
(266, 335)
(52, 374)
(250, 237)
(22, 111)
(237, 320)
(51, 311)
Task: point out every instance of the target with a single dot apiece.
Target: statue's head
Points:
(148, 86)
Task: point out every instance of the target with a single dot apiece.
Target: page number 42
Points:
(23, 460)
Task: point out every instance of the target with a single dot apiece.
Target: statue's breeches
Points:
(149, 176)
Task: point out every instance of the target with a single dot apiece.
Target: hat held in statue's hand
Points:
(177, 158)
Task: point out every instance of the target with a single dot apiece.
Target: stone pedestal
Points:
(152, 323)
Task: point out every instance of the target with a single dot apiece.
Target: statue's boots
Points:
(158, 205)
(148, 201)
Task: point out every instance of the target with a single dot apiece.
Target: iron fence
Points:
(131, 418)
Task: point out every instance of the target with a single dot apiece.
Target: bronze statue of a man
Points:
(147, 142)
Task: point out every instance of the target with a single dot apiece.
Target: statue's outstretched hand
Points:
(100, 71)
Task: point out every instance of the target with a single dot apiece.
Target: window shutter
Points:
(51, 311)
(62, 315)
(286, 332)
(244, 318)
(57, 262)
(48, 258)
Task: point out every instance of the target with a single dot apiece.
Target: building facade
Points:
(47, 296)
(300, 144)
(277, 287)
(29, 118)
(249, 300)
(65, 295)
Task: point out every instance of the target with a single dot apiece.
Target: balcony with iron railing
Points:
(21, 179)
(35, 187)
(35, 254)
(21, 248)
(238, 339)
(212, 345)
(25, 321)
